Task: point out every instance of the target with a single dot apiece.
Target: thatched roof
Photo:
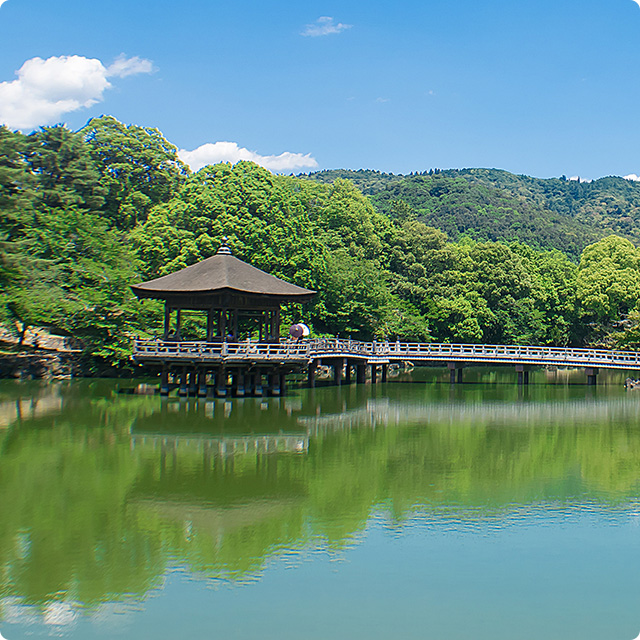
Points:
(221, 273)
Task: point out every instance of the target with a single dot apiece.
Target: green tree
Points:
(139, 168)
(607, 287)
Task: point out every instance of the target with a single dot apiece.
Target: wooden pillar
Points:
(219, 333)
(274, 384)
(167, 320)
(258, 388)
(209, 325)
(347, 373)
(592, 375)
(283, 384)
(202, 383)
(223, 325)
(183, 382)
(311, 374)
(453, 367)
(238, 384)
(276, 325)
(361, 373)
(178, 324)
(249, 384)
(337, 371)
(384, 372)
(374, 373)
(523, 374)
(193, 382)
(164, 381)
(270, 323)
(221, 382)
(235, 325)
(211, 388)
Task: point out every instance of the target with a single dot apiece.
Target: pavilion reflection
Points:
(218, 428)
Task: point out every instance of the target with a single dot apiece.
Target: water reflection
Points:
(104, 492)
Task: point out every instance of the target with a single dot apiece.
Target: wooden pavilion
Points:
(227, 290)
(239, 300)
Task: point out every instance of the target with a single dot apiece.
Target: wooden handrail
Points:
(307, 350)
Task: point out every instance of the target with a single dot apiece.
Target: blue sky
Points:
(536, 87)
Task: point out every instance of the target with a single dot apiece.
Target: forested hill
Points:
(491, 204)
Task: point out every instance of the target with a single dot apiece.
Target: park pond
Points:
(410, 509)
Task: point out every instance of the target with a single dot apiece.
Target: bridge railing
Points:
(306, 350)
(163, 349)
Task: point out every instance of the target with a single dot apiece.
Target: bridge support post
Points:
(221, 383)
(183, 382)
(238, 384)
(592, 375)
(258, 389)
(283, 384)
(455, 372)
(337, 371)
(274, 384)
(202, 383)
(193, 382)
(383, 376)
(311, 374)
(250, 384)
(523, 373)
(164, 381)
(361, 373)
(210, 384)
(347, 373)
(374, 373)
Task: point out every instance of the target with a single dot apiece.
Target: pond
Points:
(411, 509)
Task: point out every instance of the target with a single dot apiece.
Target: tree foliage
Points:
(84, 215)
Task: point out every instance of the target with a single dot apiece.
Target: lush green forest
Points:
(461, 256)
(490, 204)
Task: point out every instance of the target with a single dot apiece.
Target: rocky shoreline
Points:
(49, 365)
(39, 365)
(41, 355)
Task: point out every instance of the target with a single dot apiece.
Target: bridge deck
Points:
(304, 352)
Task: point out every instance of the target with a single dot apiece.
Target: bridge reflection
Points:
(384, 412)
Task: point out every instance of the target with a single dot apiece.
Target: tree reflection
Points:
(101, 493)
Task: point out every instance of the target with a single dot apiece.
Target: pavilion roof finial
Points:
(224, 247)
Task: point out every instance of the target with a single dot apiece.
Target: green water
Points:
(401, 510)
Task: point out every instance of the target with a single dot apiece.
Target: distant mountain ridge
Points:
(493, 204)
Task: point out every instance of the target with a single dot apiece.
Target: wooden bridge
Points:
(250, 368)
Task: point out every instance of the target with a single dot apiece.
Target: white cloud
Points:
(123, 66)
(214, 152)
(47, 89)
(325, 26)
(632, 176)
